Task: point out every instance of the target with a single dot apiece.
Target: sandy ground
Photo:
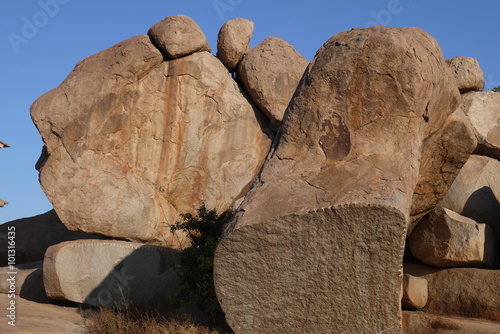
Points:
(32, 317)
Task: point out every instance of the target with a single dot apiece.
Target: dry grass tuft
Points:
(109, 321)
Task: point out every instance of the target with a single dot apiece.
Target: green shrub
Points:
(196, 276)
(496, 89)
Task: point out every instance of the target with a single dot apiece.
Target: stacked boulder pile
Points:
(364, 183)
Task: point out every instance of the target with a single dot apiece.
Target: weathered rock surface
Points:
(443, 156)
(178, 36)
(476, 190)
(353, 135)
(132, 142)
(27, 282)
(271, 72)
(414, 292)
(468, 74)
(422, 323)
(233, 42)
(444, 238)
(33, 317)
(466, 292)
(109, 273)
(483, 110)
(3, 203)
(35, 235)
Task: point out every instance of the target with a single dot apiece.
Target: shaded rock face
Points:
(271, 72)
(466, 292)
(475, 192)
(178, 36)
(446, 239)
(109, 273)
(345, 166)
(28, 282)
(233, 42)
(36, 235)
(468, 74)
(132, 142)
(483, 110)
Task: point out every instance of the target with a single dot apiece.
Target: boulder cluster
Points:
(364, 183)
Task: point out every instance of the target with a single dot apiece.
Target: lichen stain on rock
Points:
(336, 140)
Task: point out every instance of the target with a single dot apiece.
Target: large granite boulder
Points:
(475, 192)
(133, 141)
(24, 280)
(483, 110)
(444, 154)
(444, 238)
(317, 244)
(35, 235)
(271, 72)
(178, 36)
(110, 273)
(233, 42)
(465, 292)
(468, 74)
(423, 323)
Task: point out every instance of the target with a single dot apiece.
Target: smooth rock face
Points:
(476, 190)
(483, 110)
(444, 238)
(351, 143)
(443, 156)
(423, 323)
(36, 234)
(466, 292)
(132, 142)
(233, 42)
(109, 273)
(178, 36)
(414, 292)
(468, 74)
(28, 282)
(271, 72)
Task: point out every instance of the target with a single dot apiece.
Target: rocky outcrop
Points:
(25, 280)
(466, 292)
(476, 191)
(446, 239)
(443, 156)
(349, 151)
(271, 72)
(178, 36)
(468, 74)
(483, 110)
(233, 42)
(133, 141)
(415, 292)
(36, 234)
(109, 273)
(422, 323)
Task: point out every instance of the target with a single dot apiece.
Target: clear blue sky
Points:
(33, 61)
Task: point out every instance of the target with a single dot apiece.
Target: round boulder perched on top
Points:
(468, 74)
(271, 72)
(178, 36)
(233, 42)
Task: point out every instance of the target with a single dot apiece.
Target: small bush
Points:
(496, 89)
(196, 277)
